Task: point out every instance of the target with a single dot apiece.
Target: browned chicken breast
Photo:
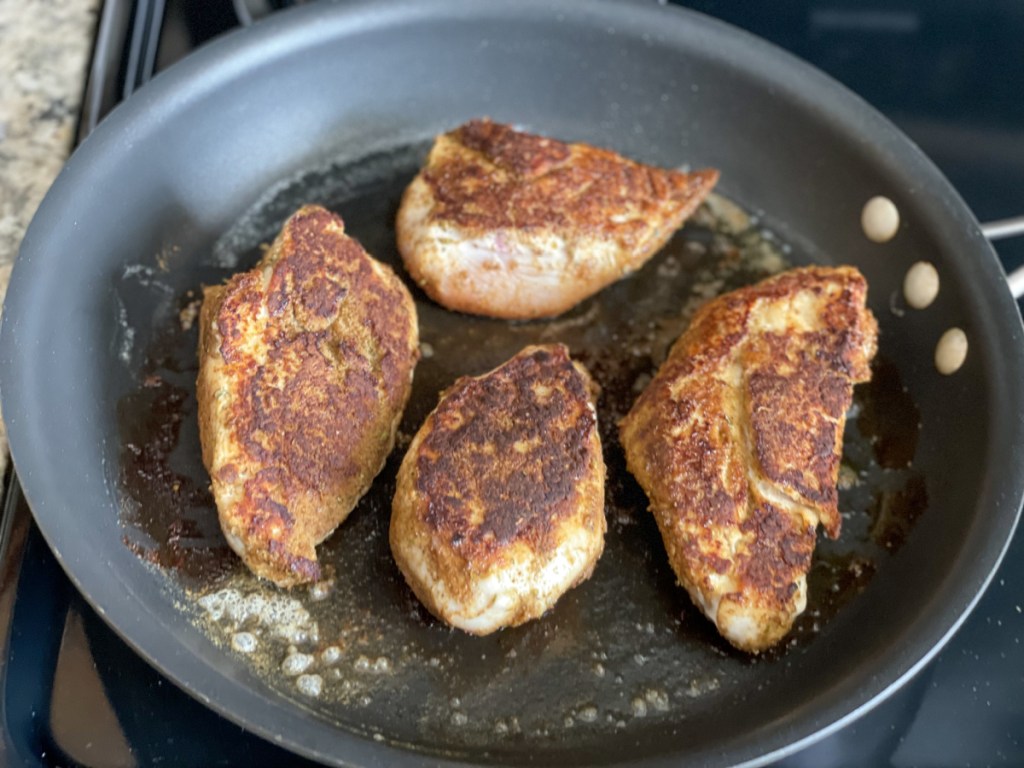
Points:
(737, 443)
(306, 363)
(500, 501)
(508, 224)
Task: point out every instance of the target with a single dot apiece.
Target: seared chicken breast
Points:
(499, 507)
(737, 443)
(306, 364)
(513, 225)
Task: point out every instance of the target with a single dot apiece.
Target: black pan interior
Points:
(335, 103)
(621, 658)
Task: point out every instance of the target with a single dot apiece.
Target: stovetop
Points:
(945, 71)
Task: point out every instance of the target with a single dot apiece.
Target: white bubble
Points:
(213, 605)
(243, 642)
(310, 685)
(657, 699)
(321, 590)
(296, 663)
(285, 617)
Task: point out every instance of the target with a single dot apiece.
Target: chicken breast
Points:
(508, 224)
(499, 507)
(305, 365)
(737, 443)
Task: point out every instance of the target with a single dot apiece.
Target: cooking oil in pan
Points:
(625, 651)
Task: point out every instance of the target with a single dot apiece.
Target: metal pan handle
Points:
(997, 230)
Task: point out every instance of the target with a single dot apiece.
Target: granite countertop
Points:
(43, 62)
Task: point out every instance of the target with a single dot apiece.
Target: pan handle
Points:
(997, 230)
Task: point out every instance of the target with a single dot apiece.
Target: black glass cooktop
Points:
(948, 72)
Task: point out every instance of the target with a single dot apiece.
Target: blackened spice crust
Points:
(518, 180)
(307, 363)
(506, 453)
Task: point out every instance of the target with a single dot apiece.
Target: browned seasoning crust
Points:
(737, 442)
(525, 199)
(505, 475)
(509, 178)
(306, 364)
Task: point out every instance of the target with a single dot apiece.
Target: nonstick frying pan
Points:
(180, 184)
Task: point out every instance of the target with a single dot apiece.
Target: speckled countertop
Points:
(43, 61)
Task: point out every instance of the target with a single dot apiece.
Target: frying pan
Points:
(180, 184)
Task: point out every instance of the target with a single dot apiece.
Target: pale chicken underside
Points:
(524, 588)
(502, 272)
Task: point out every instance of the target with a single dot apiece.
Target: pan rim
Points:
(225, 59)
